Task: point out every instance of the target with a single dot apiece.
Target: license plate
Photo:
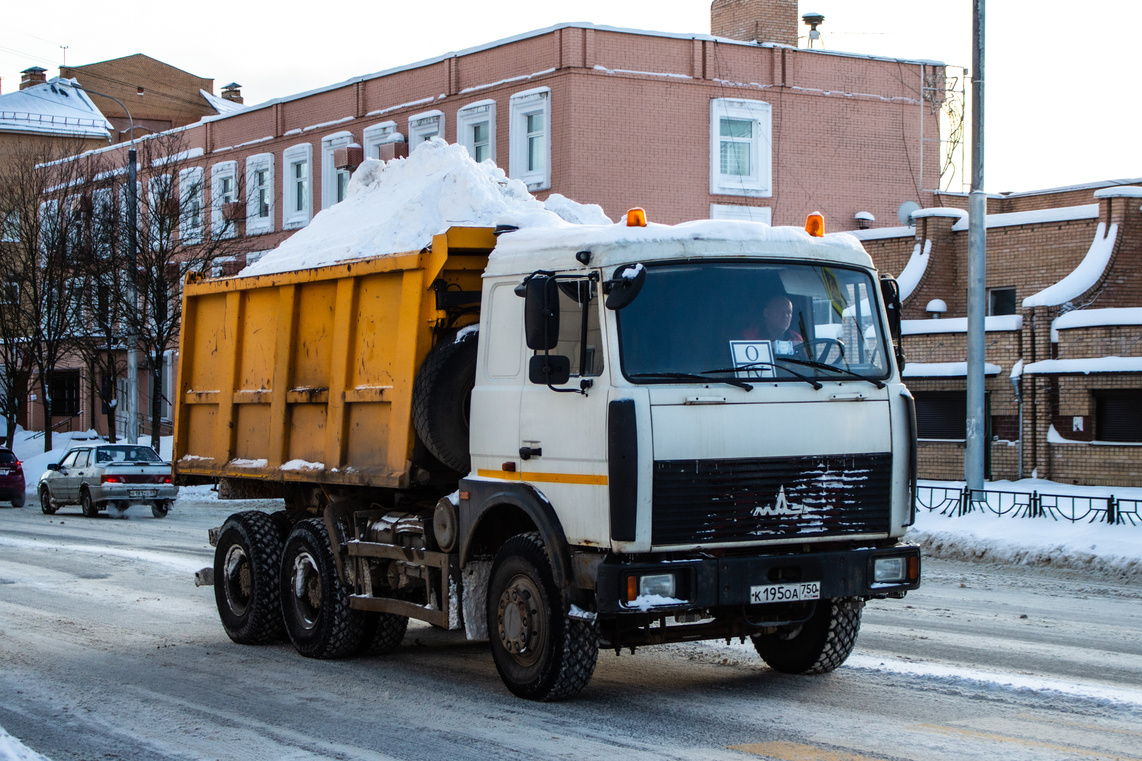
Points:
(807, 590)
(142, 492)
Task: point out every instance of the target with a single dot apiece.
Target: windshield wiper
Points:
(751, 365)
(693, 377)
(825, 366)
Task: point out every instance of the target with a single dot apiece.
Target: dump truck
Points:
(561, 440)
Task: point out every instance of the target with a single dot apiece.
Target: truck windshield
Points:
(752, 321)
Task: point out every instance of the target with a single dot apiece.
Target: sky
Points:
(1060, 108)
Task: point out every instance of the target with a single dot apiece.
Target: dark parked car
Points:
(11, 478)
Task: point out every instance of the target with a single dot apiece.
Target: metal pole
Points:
(132, 428)
(977, 255)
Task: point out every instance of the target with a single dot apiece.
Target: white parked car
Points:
(108, 475)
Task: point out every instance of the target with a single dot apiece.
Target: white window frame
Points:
(292, 216)
(191, 197)
(522, 105)
(102, 217)
(468, 118)
(759, 182)
(376, 135)
(256, 224)
(329, 172)
(219, 173)
(423, 126)
(742, 213)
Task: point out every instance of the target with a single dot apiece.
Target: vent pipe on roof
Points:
(33, 76)
(232, 92)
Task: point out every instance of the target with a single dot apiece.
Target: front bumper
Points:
(726, 582)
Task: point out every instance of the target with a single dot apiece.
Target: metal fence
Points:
(951, 500)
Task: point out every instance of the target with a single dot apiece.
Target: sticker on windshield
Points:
(752, 359)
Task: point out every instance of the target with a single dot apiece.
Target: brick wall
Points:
(755, 20)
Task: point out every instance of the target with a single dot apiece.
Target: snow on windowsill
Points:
(1085, 366)
(1094, 318)
(996, 323)
(944, 369)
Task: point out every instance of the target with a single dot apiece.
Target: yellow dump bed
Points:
(308, 375)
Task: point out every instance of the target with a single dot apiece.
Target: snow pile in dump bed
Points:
(397, 206)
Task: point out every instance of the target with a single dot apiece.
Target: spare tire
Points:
(442, 396)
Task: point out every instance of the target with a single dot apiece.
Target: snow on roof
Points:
(996, 323)
(1091, 318)
(944, 369)
(1083, 277)
(54, 109)
(397, 206)
(221, 105)
(1040, 216)
(914, 270)
(1085, 366)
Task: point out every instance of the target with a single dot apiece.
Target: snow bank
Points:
(12, 749)
(1102, 550)
(397, 206)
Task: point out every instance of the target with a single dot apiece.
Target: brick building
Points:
(1063, 332)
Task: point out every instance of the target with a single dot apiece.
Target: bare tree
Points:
(177, 235)
(15, 356)
(42, 199)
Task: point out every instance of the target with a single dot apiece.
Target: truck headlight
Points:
(900, 569)
(658, 584)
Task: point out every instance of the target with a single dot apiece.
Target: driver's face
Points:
(777, 313)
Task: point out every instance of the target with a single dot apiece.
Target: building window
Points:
(1118, 415)
(425, 126)
(298, 204)
(940, 414)
(223, 192)
(476, 130)
(377, 135)
(191, 197)
(1001, 301)
(163, 212)
(260, 194)
(104, 222)
(530, 138)
(740, 147)
(334, 181)
(64, 387)
(742, 213)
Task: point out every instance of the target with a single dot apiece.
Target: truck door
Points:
(563, 427)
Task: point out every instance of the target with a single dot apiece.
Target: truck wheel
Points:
(383, 633)
(817, 646)
(46, 502)
(89, 508)
(246, 564)
(441, 399)
(315, 604)
(540, 653)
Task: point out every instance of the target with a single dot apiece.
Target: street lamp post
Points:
(131, 429)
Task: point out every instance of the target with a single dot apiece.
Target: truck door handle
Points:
(526, 453)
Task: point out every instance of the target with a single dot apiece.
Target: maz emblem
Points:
(781, 507)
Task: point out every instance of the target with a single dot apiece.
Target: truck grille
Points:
(707, 501)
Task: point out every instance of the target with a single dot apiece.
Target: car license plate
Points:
(142, 492)
(796, 592)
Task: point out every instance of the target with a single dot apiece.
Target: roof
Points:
(52, 109)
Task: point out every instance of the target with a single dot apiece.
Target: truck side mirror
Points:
(890, 291)
(549, 369)
(541, 313)
(624, 286)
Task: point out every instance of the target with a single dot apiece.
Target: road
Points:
(109, 651)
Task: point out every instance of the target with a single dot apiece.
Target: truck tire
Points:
(441, 399)
(541, 654)
(246, 563)
(383, 633)
(817, 646)
(315, 604)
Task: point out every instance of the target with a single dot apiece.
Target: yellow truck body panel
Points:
(308, 375)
